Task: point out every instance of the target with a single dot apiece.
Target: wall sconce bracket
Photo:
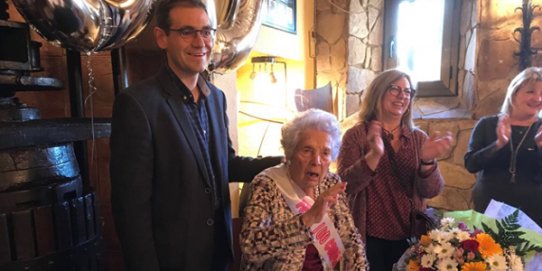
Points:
(525, 49)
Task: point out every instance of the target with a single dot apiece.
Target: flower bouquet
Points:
(453, 246)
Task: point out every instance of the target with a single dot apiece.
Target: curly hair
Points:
(315, 119)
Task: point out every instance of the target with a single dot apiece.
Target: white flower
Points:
(462, 235)
(447, 264)
(437, 249)
(459, 234)
(515, 262)
(433, 250)
(497, 263)
(428, 260)
(447, 222)
(455, 231)
(440, 236)
(434, 234)
(445, 250)
(445, 237)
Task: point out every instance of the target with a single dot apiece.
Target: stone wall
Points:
(331, 36)
(349, 39)
(487, 64)
(365, 43)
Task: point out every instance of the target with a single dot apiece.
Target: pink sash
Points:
(326, 239)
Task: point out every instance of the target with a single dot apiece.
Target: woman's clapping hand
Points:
(436, 145)
(376, 145)
(504, 129)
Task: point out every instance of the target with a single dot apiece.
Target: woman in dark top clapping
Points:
(505, 149)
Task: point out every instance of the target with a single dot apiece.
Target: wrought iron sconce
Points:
(272, 60)
(260, 66)
(525, 49)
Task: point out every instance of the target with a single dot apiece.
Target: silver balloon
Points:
(234, 43)
(74, 23)
(226, 12)
(85, 25)
(128, 19)
(211, 12)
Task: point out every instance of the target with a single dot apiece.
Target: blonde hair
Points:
(527, 77)
(371, 103)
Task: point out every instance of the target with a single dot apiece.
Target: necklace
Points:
(514, 154)
(389, 134)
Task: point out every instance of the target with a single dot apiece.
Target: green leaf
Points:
(509, 234)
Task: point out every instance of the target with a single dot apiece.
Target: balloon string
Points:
(91, 89)
(106, 33)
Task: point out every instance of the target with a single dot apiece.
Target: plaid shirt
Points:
(377, 198)
(199, 120)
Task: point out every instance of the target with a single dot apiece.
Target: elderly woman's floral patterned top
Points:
(273, 238)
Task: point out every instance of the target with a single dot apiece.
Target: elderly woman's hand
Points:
(436, 145)
(322, 204)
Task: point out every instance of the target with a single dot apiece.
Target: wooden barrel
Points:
(60, 236)
(21, 168)
(48, 220)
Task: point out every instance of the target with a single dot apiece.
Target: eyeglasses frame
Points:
(397, 89)
(193, 33)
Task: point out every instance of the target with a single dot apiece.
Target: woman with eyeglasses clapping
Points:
(390, 167)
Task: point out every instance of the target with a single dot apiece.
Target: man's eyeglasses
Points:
(395, 90)
(189, 33)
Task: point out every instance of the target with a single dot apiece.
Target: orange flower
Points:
(425, 240)
(413, 266)
(474, 266)
(488, 246)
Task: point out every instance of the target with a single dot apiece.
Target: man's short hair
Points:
(163, 7)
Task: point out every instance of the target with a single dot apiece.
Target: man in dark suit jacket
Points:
(171, 155)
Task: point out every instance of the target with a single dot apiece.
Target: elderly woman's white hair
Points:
(314, 119)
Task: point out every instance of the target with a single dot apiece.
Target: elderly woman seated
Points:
(297, 217)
